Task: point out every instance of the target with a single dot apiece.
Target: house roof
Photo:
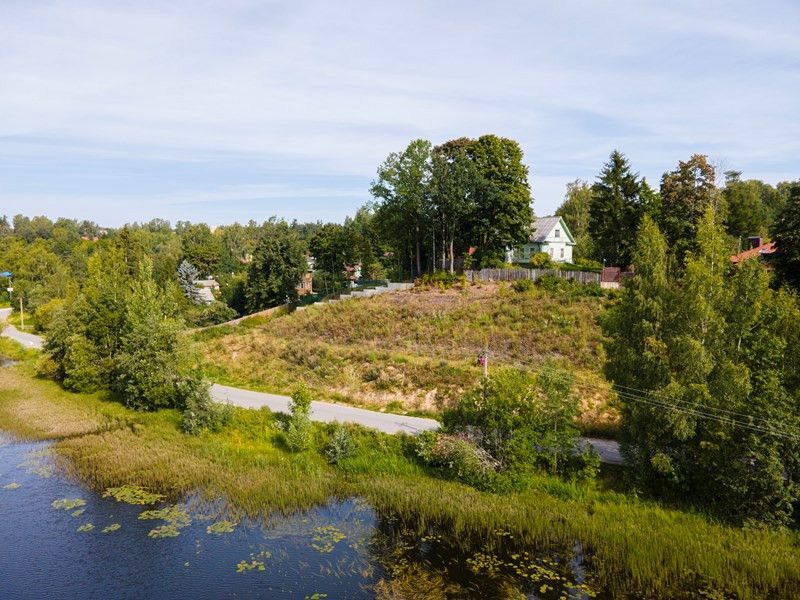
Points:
(544, 225)
(761, 250)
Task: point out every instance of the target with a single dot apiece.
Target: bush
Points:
(201, 412)
(457, 458)
(298, 428)
(522, 285)
(340, 446)
(213, 314)
(541, 260)
(443, 279)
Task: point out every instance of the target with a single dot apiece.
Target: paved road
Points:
(26, 339)
(325, 412)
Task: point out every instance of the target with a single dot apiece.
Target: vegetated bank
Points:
(416, 351)
(630, 546)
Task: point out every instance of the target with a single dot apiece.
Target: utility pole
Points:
(21, 314)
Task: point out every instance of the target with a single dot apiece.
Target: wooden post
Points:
(21, 314)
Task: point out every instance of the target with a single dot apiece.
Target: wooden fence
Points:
(532, 274)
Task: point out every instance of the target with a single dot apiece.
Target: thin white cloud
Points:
(331, 88)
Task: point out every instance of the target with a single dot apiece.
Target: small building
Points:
(549, 235)
(757, 249)
(306, 284)
(206, 288)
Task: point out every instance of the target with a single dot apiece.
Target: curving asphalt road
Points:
(325, 412)
(26, 339)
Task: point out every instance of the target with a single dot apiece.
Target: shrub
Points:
(340, 446)
(201, 412)
(541, 260)
(213, 314)
(457, 458)
(443, 280)
(298, 428)
(522, 285)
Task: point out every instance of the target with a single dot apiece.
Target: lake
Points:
(61, 540)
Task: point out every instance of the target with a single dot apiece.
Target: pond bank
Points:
(631, 547)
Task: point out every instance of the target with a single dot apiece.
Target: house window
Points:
(558, 233)
(562, 253)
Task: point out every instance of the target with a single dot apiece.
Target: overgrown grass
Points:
(631, 545)
(415, 350)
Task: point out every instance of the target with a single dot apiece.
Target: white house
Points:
(550, 235)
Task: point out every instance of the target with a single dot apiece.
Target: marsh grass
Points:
(632, 546)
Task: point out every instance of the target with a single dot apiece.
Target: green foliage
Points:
(576, 212)
(706, 362)
(279, 262)
(187, 279)
(212, 314)
(616, 207)
(457, 458)
(299, 428)
(333, 247)
(746, 214)
(341, 445)
(686, 194)
(786, 235)
(201, 248)
(522, 285)
(520, 421)
(201, 412)
(541, 260)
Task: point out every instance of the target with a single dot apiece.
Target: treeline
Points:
(705, 358)
(602, 216)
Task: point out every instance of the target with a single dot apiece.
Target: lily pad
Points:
(132, 494)
(176, 519)
(11, 486)
(111, 528)
(85, 527)
(221, 527)
(68, 504)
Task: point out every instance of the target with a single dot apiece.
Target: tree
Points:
(201, 248)
(278, 265)
(334, 246)
(786, 235)
(686, 193)
(704, 359)
(151, 367)
(187, 279)
(746, 214)
(615, 211)
(503, 211)
(453, 199)
(575, 210)
(401, 190)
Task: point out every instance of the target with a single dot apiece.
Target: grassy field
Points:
(414, 351)
(633, 546)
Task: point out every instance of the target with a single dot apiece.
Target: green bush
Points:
(522, 285)
(340, 446)
(443, 279)
(201, 412)
(299, 428)
(213, 314)
(457, 458)
(541, 260)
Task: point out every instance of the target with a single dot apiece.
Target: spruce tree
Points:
(187, 279)
(615, 211)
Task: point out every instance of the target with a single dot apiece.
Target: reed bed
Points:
(632, 546)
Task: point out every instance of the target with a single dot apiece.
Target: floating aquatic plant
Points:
(176, 519)
(39, 462)
(326, 537)
(316, 596)
(11, 486)
(111, 528)
(252, 565)
(221, 527)
(85, 527)
(132, 494)
(78, 513)
(68, 504)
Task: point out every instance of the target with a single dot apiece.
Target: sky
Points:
(235, 110)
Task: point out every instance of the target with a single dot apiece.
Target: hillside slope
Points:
(413, 350)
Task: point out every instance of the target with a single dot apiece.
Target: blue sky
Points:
(231, 110)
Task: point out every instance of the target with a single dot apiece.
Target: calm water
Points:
(342, 550)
